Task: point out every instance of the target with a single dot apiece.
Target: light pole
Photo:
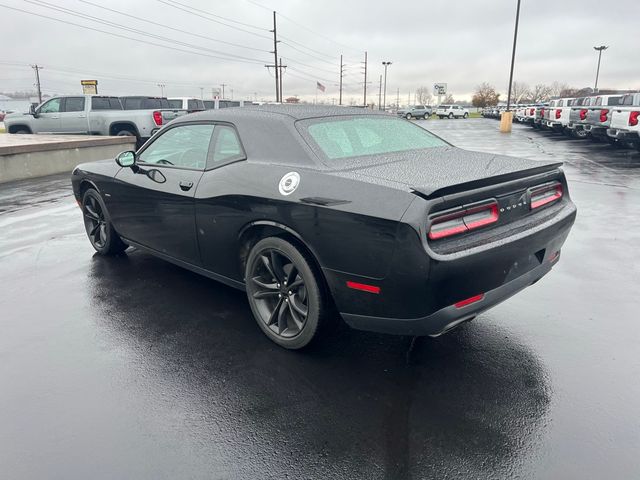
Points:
(384, 98)
(506, 118)
(599, 49)
(161, 85)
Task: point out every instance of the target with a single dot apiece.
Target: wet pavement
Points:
(130, 367)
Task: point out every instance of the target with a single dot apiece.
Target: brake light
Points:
(633, 118)
(463, 220)
(542, 112)
(157, 118)
(545, 194)
(558, 113)
(531, 111)
(603, 114)
(583, 114)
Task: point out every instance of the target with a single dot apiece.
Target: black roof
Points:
(294, 112)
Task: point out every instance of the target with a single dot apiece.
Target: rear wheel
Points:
(287, 296)
(22, 131)
(98, 226)
(451, 115)
(408, 116)
(426, 116)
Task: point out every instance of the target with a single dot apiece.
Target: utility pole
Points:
(275, 57)
(599, 49)
(384, 99)
(364, 102)
(380, 94)
(223, 85)
(161, 85)
(341, 75)
(281, 67)
(398, 98)
(37, 69)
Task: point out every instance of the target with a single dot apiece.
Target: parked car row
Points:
(138, 116)
(612, 118)
(424, 112)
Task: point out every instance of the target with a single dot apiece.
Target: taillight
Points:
(633, 118)
(603, 115)
(583, 114)
(531, 111)
(542, 112)
(545, 194)
(463, 220)
(558, 113)
(157, 118)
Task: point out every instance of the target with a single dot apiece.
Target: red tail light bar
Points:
(633, 118)
(462, 220)
(583, 114)
(545, 194)
(531, 111)
(558, 113)
(603, 115)
(157, 118)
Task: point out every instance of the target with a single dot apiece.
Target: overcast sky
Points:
(460, 42)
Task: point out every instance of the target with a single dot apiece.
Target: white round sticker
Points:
(289, 183)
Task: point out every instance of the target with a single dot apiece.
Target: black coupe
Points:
(320, 211)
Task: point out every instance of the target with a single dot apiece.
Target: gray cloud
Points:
(461, 42)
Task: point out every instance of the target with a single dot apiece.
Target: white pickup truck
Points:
(625, 120)
(559, 113)
(598, 116)
(89, 114)
(452, 111)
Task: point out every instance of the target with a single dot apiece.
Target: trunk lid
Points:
(443, 170)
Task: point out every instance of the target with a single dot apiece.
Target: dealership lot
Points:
(133, 368)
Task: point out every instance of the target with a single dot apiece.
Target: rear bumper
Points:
(449, 317)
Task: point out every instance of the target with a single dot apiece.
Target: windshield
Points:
(338, 137)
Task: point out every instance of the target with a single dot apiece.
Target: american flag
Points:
(320, 86)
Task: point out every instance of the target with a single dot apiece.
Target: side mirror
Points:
(32, 110)
(126, 159)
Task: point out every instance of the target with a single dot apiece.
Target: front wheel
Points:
(466, 115)
(450, 116)
(426, 116)
(286, 294)
(97, 224)
(408, 116)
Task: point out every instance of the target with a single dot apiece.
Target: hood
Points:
(443, 170)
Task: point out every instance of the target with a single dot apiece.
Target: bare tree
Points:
(520, 92)
(540, 93)
(485, 96)
(448, 99)
(423, 96)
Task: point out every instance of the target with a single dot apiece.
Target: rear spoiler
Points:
(485, 182)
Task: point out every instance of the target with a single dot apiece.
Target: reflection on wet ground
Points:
(133, 368)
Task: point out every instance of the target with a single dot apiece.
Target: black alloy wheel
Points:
(286, 296)
(97, 225)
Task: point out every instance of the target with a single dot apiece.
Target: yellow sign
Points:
(89, 87)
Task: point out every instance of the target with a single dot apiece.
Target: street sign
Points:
(439, 88)
(89, 87)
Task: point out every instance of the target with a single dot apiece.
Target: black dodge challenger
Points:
(316, 211)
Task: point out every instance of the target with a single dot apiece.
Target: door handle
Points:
(185, 186)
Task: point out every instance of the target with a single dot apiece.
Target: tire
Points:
(426, 116)
(280, 312)
(580, 133)
(97, 224)
(408, 116)
(450, 115)
(22, 131)
(466, 115)
(440, 117)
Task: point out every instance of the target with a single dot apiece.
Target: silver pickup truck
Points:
(89, 115)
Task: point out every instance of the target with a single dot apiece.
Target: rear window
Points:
(194, 104)
(613, 101)
(142, 103)
(175, 103)
(340, 137)
(105, 103)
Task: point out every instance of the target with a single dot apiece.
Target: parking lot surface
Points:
(131, 367)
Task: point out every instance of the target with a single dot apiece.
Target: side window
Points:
(226, 145)
(186, 146)
(52, 106)
(74, 104)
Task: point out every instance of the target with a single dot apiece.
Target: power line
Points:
(202, 13)
(118, 26)
(66, 22)
(173, 28)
